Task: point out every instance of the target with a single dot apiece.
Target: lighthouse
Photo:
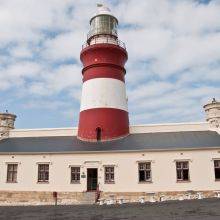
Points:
(103, 110)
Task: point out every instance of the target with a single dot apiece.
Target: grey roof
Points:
(133, 142)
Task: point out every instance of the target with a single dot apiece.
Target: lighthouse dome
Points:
(103, 9)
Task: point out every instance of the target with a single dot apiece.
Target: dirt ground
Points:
(206, 209)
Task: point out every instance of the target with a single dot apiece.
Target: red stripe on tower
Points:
(103, 112)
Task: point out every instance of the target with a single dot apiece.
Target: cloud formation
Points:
(172, 70)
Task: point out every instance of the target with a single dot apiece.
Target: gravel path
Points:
(206, 209)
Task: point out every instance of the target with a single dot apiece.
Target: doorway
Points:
(98, 134)
(92, 179)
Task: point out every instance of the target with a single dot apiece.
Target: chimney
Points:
(6, 123)
(212, 111)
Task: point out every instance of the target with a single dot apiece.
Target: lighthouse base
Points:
(103, 124)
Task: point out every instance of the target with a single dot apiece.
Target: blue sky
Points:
(172, 71)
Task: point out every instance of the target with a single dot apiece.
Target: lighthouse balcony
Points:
(103, 39)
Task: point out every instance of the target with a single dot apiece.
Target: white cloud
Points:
(186, 53)
(22, 52)
(152, 89)
(66, 77)
(173, 48)
(64, 46)
(17, 73)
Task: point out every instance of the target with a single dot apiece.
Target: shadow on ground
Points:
(206, 209)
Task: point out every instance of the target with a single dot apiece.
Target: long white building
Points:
(104, 157)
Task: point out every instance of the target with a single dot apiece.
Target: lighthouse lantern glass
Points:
(103, 24)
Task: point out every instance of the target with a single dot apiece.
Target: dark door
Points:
(92, 178)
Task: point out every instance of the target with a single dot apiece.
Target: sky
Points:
(173, 67)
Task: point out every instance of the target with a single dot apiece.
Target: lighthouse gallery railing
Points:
(105, 40)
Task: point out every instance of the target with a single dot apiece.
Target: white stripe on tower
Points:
(103, 93)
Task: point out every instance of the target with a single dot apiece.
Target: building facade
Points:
(104, 157)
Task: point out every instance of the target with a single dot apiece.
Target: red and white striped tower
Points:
(103, 112)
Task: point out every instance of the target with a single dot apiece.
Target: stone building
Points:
(104, 157)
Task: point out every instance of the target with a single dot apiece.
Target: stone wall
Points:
(6, 124)
(39, 198)
(13, 198)
(212, 111)
(158, 196)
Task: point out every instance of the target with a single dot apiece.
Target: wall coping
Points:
(134, 129)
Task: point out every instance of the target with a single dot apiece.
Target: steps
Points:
(88, 198)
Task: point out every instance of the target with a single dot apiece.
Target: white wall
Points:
(169, 127)
(43, 132)
(134, 129)
(126, 171)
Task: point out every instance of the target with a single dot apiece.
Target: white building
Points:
(143, 162)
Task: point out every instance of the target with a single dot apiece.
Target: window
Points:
(182, 171)
(217, 169)
(12, 173)
(75, 174)
(144, 172)
(43, 172)
(109, 174)
(104, 24)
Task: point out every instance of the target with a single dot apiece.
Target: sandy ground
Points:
(206, 209)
